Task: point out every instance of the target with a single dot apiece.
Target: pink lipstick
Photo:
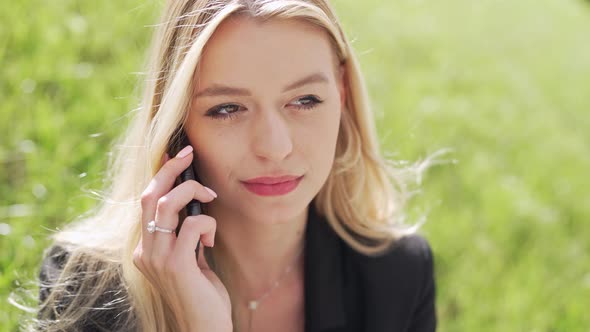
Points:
(272, 186)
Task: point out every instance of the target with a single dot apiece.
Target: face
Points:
(266, 109)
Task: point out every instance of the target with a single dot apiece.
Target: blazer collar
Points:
(323, 276)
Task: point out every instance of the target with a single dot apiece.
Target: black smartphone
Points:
(178, 141)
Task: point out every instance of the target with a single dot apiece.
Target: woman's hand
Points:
(195, 293)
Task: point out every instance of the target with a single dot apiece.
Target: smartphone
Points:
(193, 208)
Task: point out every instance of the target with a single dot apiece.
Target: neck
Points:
(255, 255)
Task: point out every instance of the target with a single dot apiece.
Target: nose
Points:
(272, 136)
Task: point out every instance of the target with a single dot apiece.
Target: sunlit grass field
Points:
(503, 85)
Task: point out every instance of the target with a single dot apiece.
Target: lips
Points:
(272, 186)
(272, 179)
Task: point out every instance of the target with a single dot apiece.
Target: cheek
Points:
(214, 156)
(321, 142)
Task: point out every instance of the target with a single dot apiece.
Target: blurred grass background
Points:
(505, 84)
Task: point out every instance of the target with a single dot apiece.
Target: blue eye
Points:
(307, 102)
(224, 111)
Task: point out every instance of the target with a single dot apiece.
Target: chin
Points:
(275, 213)
(279, 214)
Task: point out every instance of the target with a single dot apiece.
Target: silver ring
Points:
(152, 228)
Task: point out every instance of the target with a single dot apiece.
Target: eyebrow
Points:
(224, 90)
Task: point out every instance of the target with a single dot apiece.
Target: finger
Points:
(202, 261)
(164, 159)
(164, 178)
(194, 228)
(139, 262)
(168, 208)
(158, 187)
(169, 205)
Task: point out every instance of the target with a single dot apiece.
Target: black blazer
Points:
(344, 291)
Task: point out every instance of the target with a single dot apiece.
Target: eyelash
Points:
(313, 101)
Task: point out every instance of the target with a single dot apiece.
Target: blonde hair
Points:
(362, 198)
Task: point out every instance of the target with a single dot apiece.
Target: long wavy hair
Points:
(362, 199)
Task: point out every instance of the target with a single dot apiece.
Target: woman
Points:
(300, 228)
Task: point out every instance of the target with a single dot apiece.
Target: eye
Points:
(224, 111)
(307, 102)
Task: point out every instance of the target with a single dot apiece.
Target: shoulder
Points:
(401, 283)
(404, 272)
(410, 255)
(51, 267)
(88, 286)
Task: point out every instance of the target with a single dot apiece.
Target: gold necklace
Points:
(254, 304)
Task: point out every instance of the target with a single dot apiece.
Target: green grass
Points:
(505, 84)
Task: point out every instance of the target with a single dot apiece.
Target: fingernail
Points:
(211, 192)
(184, 152)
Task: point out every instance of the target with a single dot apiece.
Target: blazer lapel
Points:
(323, 276)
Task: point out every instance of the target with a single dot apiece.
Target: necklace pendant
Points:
(252, 305)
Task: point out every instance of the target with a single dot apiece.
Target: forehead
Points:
(245, 50)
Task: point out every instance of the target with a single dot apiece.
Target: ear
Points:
(342, 85)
